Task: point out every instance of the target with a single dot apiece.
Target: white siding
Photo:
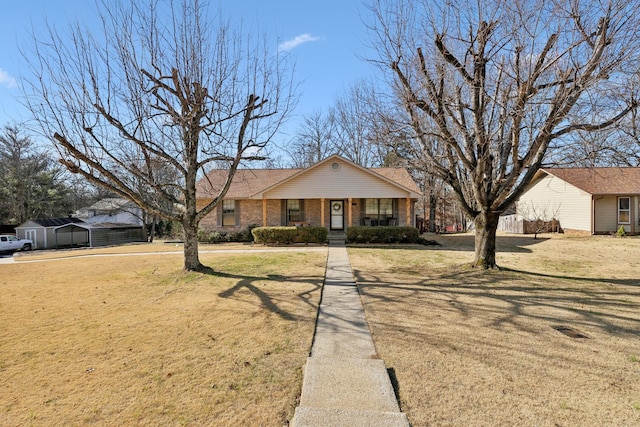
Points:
(557, 199)
(325, 182)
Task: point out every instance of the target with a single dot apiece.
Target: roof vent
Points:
(335, 166)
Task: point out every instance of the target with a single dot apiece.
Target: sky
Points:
(327, 39)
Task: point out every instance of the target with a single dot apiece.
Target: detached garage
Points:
(57, 233)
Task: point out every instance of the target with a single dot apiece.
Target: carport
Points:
(72, 235)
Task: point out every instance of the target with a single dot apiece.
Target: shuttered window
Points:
(295, 210)
(230, 213)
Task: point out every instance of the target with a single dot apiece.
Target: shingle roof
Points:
(248, 182)
(600, 180)
(399, 175)
(56, 222)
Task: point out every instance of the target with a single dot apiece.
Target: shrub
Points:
(395, 234)
(222, 236)
(312, 234)
(621, 231)
(279, 235)
(288, 235)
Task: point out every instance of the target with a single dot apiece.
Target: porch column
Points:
(350, 212)
(321, 212)
(408, 211)
(264, 212)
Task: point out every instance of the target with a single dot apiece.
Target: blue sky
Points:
(327, 39)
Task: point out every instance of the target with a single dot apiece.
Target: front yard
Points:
(132, 340)
(487, 349)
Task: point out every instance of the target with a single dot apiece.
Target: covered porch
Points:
(337, 213)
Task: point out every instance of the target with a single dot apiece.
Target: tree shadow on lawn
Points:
(250, 283)
(460, 242)
(466, 242)
(516, 298)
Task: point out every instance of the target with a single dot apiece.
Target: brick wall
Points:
(251, 213)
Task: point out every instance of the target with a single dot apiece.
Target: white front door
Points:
(337, 214)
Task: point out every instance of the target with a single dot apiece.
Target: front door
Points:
(337, 214)
(31, 235)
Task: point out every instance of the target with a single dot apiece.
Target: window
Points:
(229, 212)
(624, 211)
(386, 208)
(294, 210)
(371, 208)
(378, 210)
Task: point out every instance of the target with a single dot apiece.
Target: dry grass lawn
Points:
(475, 348)
(132, 340)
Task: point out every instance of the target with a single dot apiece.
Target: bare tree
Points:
(497, 82)
(162, 82)
(539, 218)
(355, 115)
(314, 140)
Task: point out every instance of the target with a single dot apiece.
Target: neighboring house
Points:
(334, 193)
(592, 200)
(111, 211)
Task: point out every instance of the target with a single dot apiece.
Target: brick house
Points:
(588, 200)
(334, 193)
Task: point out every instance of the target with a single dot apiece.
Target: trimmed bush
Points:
(312, 234)
(222, 236)
(277, 235)
(395, 234)
(288, 235)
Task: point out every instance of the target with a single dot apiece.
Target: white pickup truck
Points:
(9, 243)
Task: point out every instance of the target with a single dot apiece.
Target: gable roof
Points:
(604, 181)
(250, 183)
(110, 204)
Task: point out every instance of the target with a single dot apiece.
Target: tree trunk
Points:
(152, 233)
(433, 204)
(485, 244)
(145, 234)
(191, 258)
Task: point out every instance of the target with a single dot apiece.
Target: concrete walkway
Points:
(345, 384)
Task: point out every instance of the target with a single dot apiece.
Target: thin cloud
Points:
(297, 41)
(7, 80)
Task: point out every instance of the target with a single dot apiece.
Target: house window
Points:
(371, 208)
(294, 210)
(624, 210)
(229, 212)
(378, 210)
(386, 208)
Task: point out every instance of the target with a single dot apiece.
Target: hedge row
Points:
(288, 235)
(399, 234)
(226, 236)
